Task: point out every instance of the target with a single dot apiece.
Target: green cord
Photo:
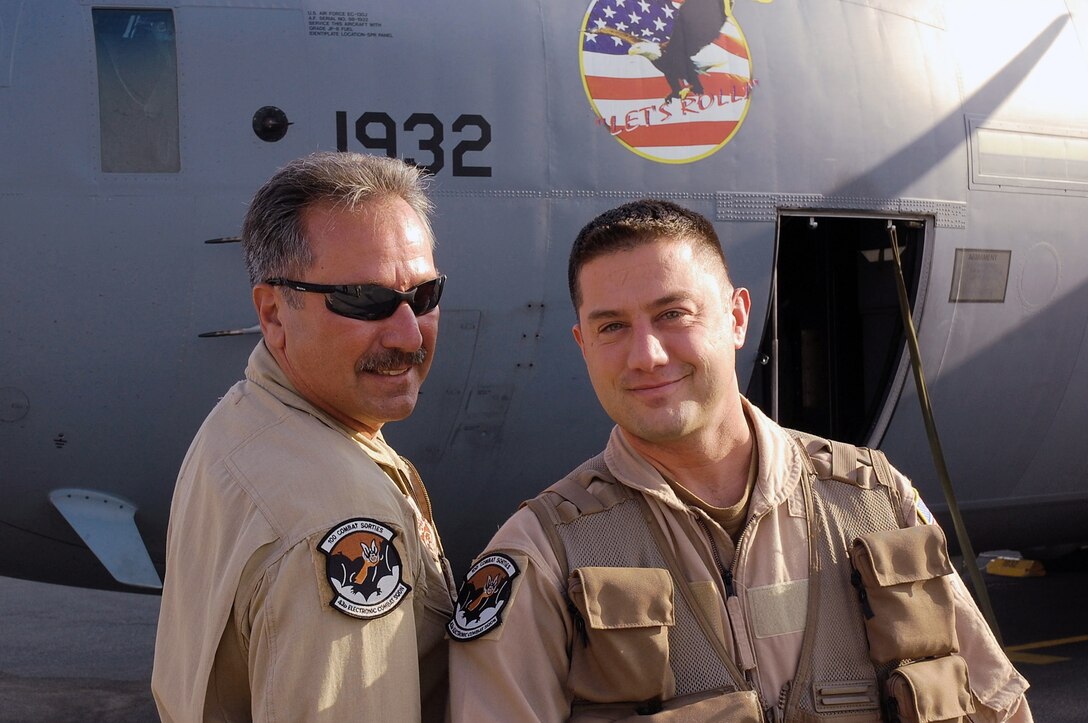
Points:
(968, 551)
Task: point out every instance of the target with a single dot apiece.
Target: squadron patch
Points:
(364, 568)
(483, 597)
(923, 512)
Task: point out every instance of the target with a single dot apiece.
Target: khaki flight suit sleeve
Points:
(996, 685)
(517, 671)
(309, 661)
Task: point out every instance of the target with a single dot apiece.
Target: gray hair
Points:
(272, 240)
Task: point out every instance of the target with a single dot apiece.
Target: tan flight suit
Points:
(247, 629)
(521, 669)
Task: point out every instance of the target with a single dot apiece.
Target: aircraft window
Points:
(1005, 156)
(137, 90)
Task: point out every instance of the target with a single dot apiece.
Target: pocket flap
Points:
(623, 597)
(937, 689)
(893, 557)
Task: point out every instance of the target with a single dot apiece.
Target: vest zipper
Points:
(727, 575)
(736, 614)
(783, 697)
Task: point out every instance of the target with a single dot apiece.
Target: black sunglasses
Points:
(370, 302)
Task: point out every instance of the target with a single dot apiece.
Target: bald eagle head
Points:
(646, 49)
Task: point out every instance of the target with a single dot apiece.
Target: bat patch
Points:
(364, 568)
(483, 597)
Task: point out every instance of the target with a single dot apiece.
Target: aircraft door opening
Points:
(832, 360)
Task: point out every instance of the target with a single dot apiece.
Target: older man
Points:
(710, 565)
(305, 579)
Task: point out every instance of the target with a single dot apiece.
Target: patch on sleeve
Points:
(923, 512)
(364, 568)
(483, 597)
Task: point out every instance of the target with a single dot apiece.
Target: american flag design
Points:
(669, 79)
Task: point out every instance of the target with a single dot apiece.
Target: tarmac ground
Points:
(71, 654)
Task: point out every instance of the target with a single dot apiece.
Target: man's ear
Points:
(577, 331)
(742, 305)
(268, 313)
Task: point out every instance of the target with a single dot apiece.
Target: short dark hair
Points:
(636, 223)
(272, 240)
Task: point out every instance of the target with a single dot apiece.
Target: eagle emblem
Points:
(669, 79)
(364, 568)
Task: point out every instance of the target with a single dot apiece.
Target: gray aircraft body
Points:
(134, 134)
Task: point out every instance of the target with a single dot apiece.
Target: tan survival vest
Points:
(613, 549)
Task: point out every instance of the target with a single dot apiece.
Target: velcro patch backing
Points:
(778, 609)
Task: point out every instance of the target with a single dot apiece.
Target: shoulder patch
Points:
(923, 512)
(364, 568)
(483, 597)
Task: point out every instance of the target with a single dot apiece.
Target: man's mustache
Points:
(391, 360)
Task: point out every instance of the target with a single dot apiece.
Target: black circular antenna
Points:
(270, 124)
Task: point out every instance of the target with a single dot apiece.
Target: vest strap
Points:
(844, 460)
(883, 472)
(800, 438)
(549, 519)
(578, 495)
(681, 581)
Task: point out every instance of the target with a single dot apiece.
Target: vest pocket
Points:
(930, 691)
(741, 706)
(905, 595)
(622, 617)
